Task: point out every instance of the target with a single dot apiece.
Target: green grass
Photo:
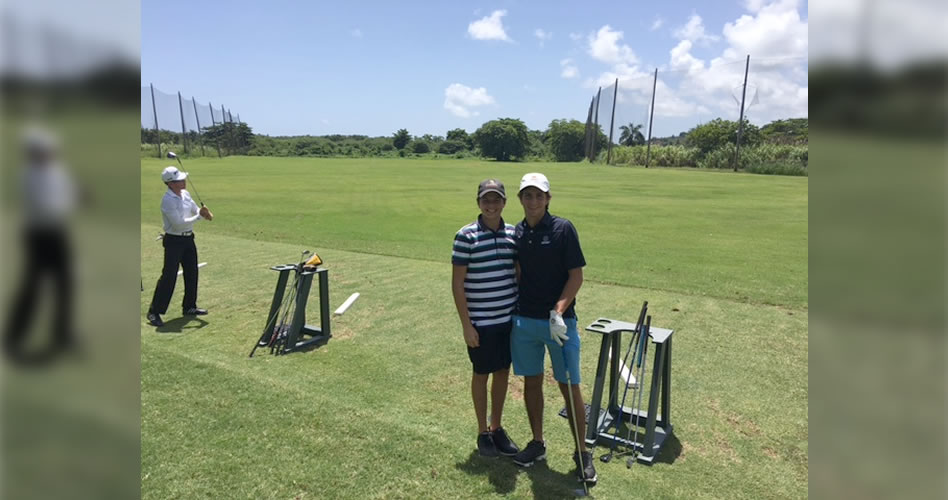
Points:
(383, 410)
(740, 237)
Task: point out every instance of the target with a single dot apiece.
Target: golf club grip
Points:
(638, 324)
(643, 340)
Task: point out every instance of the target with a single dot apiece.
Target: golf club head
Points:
(606, 458)
(174, 156)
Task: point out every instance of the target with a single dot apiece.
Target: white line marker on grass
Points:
(202, 264)
(345, 305)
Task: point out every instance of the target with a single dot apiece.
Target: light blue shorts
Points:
(529, 341)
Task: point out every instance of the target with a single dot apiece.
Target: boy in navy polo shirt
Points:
(550, 275)
(483, 282)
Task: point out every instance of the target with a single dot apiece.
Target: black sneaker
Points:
(535, 450)
(502, 442)
(194, 311)
(485, 445)
(154, 319)
(587, 470)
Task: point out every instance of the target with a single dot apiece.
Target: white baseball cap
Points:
(536, 180)
(173, 174)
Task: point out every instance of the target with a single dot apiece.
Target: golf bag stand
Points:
(298, 329)
(655, 428)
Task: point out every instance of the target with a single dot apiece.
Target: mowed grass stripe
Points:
(736, 236)
(383, 410)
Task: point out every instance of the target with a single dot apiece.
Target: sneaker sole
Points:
(592, 480)
(528, 464)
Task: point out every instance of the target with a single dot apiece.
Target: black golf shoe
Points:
(587, 472)
(194, 311)
(535, 450)
(154, 319)
(504, 445)
(485, 445)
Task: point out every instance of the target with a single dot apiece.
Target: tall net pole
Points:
(589, 128)
(615, 95)
(740, 123)
(210, 108)
(651, 116)
(154, 110)
(184, 130)
(595, 131)
(198, 120)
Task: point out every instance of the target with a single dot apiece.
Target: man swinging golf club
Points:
(179, 213)
(551, 273)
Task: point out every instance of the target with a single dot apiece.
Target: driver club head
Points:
(174, 156)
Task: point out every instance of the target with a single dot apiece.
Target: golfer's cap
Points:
(173, 174)
(491, 186)
(40, 140)
(536, 180)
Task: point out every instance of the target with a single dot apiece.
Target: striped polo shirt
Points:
(490, 283)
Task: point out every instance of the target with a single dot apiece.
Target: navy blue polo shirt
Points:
(546, 253)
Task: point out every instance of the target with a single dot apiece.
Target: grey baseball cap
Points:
(491, 186)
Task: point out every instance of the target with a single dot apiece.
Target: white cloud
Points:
(543, 36)
(489, 28)
(681, 58)
(657, 23)
(772, 31)
(356, 33)
(776, 30)
(459, 99)
(693, 31)
(604, 46)
(569, 69)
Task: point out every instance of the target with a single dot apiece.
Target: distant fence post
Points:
(615, 96)
(154, 110)
(651, 116)
(198, 120)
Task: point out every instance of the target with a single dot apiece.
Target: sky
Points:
(371, 68)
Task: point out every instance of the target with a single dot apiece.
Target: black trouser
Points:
(47, 256)
(178, 250)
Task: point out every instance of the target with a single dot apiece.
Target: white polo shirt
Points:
(179, 212)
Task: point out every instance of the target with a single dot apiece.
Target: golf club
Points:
(572, 413)
(190, 181)
(279, 333)
(618, 420)
(271, 333)
(641, 389)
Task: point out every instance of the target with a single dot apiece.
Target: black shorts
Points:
(493, 353)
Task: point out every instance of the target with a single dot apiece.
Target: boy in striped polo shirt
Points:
(483, 281)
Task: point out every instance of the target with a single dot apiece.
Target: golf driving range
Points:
(383, 408)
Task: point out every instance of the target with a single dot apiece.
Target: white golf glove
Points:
(557, 328)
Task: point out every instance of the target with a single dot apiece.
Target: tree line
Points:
(503, 139)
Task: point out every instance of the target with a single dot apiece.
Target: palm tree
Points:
(631, 135)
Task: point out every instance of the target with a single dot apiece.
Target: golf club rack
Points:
(286, 329)
(651, 426)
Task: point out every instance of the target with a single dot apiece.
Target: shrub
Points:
(659, 156)
(778, 168)
(420, 147)
(450, 147)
